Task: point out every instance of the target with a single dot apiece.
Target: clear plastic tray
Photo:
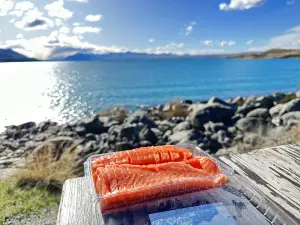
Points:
(226, 170)
(233, 204)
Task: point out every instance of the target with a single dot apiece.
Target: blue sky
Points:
(58, 28)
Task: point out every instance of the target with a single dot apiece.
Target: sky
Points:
(53, 29)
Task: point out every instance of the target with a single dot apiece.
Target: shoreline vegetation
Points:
(8, 55)
(38, 158)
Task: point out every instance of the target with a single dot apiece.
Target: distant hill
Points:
(133, 55)
(270, 54)
(8, 55)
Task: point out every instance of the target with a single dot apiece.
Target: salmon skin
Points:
(144, 177)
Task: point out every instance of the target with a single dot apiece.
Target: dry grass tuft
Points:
(43, 170)
(288, 98)
(176, 109)
(117, 113)
(272, 138)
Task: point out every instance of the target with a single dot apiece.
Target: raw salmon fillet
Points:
(145, 174)
(143, 156)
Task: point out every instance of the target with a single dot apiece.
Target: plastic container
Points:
(233, 204)
(238, 202)
(195, 152)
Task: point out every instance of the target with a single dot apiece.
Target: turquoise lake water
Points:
(65, 91)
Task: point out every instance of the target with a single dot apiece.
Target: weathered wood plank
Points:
(77, 205)
(275, 172)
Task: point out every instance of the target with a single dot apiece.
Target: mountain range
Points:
(135, 56)
(270, 54)
(8, 55)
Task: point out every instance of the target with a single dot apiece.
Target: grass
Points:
(288, 98)
(38, 186)
(271, 139)
(16, 200)
(45, 169)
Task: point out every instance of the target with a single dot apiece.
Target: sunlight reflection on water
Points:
(33, 92)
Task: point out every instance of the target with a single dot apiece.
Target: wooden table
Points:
(274, 171)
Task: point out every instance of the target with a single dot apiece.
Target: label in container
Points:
(209, 214)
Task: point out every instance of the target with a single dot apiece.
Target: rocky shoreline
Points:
(216, 126)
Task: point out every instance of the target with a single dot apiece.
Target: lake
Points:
(65, 91)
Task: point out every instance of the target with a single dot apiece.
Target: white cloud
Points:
(17, 13)
(290, 2)
(64, 30)
(82, 30)
(81, 1)
(5, 6)
(250, 42)
(151, 40)
(34, 20)
(58, 22)
(12, 20)
(19, 36)
(227, 43)
(170, 47)
(287, 39)
(290, 39)
(56, 9)
(93, 18)
(24, 5)
(190, 28)
(207, 42)
(240, 4)
(76, 24)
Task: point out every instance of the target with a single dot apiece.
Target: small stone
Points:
(185, 125)
(149, 135)
(259, 112)
(291, 106)
(80, 130)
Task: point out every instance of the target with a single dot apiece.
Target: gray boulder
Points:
(274, 111)
(129, 131)
(28, 125)
(293, 116)
(253, 102)
(250, 124)
(140, 117)
(238, 101)
(277, 121)
(222, 137)
(214, 127)
(187, 136)
(259, 112)
(185, 125)
(166, 135)
(214, 100)
(215, 113)
(93, 125)
(291, 106)
(80, 130)
(178, 136)
(210, 145)
(147, 134)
